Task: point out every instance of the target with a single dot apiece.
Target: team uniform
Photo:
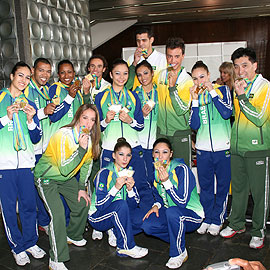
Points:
(250, 149)
(54, 175)
(147, 136)
(210, 115)
(17, 182)
(173, 113)
(110, 207)
(67, 105)
(116, 129)
(40, 96)
(179, 206)
(156, 59)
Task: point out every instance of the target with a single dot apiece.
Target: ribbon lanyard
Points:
(43, 91)
(97, 84)
(250, 85)
(179, 72)
(122, 96)
(76, 135)
(121, 194)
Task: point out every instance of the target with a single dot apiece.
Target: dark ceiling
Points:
(167, 11)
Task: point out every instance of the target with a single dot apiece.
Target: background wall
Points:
(256, 31)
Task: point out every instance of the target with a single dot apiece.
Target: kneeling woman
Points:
(114, 194)
(178, 209)
(71, 149)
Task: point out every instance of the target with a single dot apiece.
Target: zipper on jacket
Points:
(236, 144)
(261, 133)
(185, 119)
(211, 143)
(122, 130)
(166, 117)
(149, 130)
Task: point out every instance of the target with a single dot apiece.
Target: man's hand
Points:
(49, 109)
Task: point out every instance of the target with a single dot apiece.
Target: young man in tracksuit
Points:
(250, 148)
(174, 101)
(37, 92)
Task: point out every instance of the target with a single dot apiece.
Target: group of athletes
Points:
(118, 154)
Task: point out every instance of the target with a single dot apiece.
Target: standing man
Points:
(37, 92)
(96, 67)
(250, 148)
(174, 99)
(144, 51)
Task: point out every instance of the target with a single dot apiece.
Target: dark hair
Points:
(144, 30)
(119, 61)
(144, 63)
(175, 42)
(19, 65)
(163, 140)
(41, 60)
(121, 142)
(95, 131)
(64, 62)
(200, 64)
(240, 52)
(102, 58)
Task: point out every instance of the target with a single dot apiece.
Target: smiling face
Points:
(87, 119)
(200, 76)
(162, 152)
(21, 78)
(42, 73)
(145, 76)
(225, 76)
(66, 74)
(122, 157)
(96, 67)
(244, 68)
(119, 76)
(175, 58)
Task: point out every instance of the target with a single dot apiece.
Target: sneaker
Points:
(176, 262)
(136, 252)
(44, 229)
(228, 232)
(97, 235)
(256, 242)
(21, 258)
(203, 228)
(79, 243)
(214, 229)
(36, 252)
(56, 265)
(111, 238)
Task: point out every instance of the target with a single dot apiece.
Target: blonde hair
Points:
(228, 67)
(95, 131)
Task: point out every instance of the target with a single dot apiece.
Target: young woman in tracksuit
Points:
(177, 209)
(71, 150)
(210, 115)
(19, 130)
(114, 195)
(121, 116)
(147, 94)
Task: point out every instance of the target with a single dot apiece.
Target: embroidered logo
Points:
(100, 186)
(107, 159)
(254, 141)
(46, 181)
(260, 162)
(184, 140)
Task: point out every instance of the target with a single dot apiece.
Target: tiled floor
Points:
(98, 255)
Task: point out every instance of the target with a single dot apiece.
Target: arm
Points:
(85, 172)
(133, 198)
(138, 121)
(259, 113)
(131, 77)
(103, 124)
(194, 118)
(224, 105)
(186, 183)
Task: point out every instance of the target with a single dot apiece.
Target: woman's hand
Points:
(120, 181)
(124, 117)
(109, 116)
(130, 183)
(193, 92)
(83, 140)
(73, 89)
(30, 112)
(209, 86)
(154, 209)
(14, 108)
(146, 109)
(252, 265)
(163, 174)
(83, 194)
